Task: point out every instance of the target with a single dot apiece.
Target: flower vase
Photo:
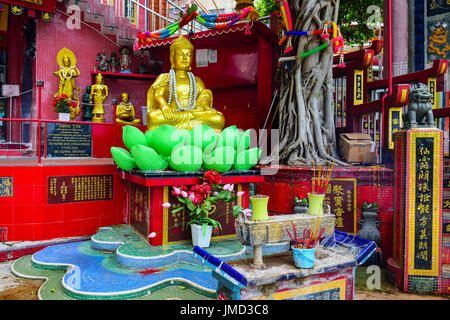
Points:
(63, 116)
(259, 206)
(315, 204)
(198, 237)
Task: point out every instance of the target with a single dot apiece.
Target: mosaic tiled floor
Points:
(131, 269)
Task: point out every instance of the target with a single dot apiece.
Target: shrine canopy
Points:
(41, 5)
(212, 21)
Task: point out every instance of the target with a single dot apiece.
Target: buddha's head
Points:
(99, 79)
(181, 54)
(125, 97)
(66, 60)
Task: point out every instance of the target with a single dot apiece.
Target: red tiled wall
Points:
(28, 216)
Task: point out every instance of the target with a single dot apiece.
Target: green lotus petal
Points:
(133, 136)
(244, 141)
(229, 137)
(123, 158)
(165, 138)
(247, 159)
(147, 158)
(186, 158)
(220, 160)
(148, 136)
(203, 136)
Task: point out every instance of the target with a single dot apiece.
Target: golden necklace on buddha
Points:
(173, 91)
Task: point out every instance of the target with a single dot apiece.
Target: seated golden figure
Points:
(125, 112)
(179, 98)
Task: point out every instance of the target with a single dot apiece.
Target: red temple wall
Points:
(27, 215)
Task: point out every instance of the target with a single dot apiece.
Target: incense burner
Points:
(274, 230)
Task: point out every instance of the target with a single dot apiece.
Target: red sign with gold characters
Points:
(341, 197)
(66, 189)
(42, 5)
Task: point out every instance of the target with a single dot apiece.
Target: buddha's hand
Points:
(167, 112)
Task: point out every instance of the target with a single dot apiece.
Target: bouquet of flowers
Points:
(62, 104)
(198, 200)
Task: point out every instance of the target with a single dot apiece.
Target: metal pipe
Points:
(389, 34)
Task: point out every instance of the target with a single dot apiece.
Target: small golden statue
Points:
(125, 111)
(179, 98)
(98, 98)
(67, 73)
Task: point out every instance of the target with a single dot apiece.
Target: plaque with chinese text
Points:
(446, 203)
(435, 7)
(139, 218)
(69, 140)
(359, 87)
(446, 227)
(66, 189)
(341, 196)
(6, 186)
(424, 203)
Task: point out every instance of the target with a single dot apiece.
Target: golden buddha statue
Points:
(179, 98)
(125, 112)
(66, 74)
(98, 98)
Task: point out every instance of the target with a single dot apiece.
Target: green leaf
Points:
(204, 226)
(190, 205)
(236, 210)
(177, 209)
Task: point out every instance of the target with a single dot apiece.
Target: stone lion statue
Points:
(420, 109)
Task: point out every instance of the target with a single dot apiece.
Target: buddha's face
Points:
(66, 60)
(125, 97)
(182, 59)
(99, 80)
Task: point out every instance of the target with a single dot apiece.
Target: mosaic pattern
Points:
(89, 277)
(95, 270)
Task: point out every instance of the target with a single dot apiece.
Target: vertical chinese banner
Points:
(395, 124)
(139, 209)
(359, 87)
(423, 225)
(341, 197)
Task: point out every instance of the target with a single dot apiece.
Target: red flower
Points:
(212, 176)
(202, 189)
(198, 198)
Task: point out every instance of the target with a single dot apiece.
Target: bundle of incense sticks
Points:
(310, 237)
(320, 183)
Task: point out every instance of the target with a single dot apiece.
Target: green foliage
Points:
(355, 12)
(266, 7)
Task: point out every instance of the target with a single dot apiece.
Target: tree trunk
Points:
(307, 128)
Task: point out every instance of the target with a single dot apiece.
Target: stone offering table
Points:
(258, 233)
(331, 278)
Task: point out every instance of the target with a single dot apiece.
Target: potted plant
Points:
(199, 201)
(62, 105)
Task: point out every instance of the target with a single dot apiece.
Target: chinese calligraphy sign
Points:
(6, 186)
(341, 197)
(66, 189)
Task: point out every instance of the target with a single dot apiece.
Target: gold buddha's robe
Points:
(203, 113)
